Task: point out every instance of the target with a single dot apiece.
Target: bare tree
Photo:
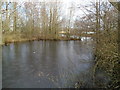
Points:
(44, 18)
(15, 17)
(0, 23)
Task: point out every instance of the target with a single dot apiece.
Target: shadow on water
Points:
(47, 64)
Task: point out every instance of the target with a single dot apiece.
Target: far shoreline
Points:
(35, 39)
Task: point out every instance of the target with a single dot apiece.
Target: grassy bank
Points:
(17, 37)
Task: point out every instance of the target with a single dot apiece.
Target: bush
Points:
(108, 57)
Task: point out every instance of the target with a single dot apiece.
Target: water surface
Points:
(47, 64)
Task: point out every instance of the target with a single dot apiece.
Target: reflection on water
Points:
(41, 64)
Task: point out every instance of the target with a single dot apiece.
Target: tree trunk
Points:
(7, 18)
(119, 28)
(0, 23)
(97, 23)
(15, 17)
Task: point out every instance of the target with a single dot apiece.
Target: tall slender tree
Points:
(0, 23)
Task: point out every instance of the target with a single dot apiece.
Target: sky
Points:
(78, 12)
(66, 5)
(46, 0)
(66, 1)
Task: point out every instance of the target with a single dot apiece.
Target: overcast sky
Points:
(66, 5)
(78, 12)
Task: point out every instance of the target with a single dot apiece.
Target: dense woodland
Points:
(46, 21)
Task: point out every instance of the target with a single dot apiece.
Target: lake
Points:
(47, 64)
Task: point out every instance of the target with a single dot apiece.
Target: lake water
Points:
(47, 64)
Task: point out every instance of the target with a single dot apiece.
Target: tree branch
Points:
(115, 4)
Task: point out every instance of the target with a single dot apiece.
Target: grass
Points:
(13, 37)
